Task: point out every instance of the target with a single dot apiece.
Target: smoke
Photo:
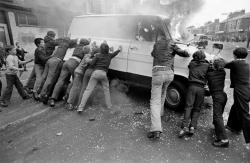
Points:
(180, 13)
(61, 12)
(56, 13)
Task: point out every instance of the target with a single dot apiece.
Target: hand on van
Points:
(120, 48)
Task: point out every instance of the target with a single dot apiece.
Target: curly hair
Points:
(199, 55)
(219, 64)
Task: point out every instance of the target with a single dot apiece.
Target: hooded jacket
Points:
(102, 61)
(164, 52)
(198, 72)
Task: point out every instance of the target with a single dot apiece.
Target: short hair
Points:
(37, 41)
(8, 48)
(86, 49)
(104, 48)
(199, 55)
(51, 33)
(84, 42)
(240, 53)
(219, 64)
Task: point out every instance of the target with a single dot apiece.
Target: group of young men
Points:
(202, 72)
(49, 81)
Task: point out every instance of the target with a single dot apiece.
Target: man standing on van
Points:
(162, 75)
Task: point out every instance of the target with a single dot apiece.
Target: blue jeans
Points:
(97, 76)
(160, 83)
(50, 75)
(31, 80)
(194, 101)
(38, 73)
(67, 71)
(75, 89)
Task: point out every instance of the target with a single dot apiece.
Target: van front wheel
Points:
(176, 95)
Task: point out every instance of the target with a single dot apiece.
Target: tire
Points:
(176, 96)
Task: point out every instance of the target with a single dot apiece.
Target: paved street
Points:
(99, 135)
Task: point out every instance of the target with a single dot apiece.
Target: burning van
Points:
(137, 35)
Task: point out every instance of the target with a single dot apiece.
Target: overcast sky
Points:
(214, 8)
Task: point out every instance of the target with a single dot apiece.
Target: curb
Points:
(24, 119)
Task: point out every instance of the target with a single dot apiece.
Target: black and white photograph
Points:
(124, 81)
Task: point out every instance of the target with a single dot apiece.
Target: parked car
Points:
(201, 41)
(137, 35)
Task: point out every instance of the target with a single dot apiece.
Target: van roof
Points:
(110, 15)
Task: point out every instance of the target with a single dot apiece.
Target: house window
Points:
(26, 19)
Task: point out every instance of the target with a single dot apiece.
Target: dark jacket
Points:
(102, 61)
(20, 54)
(216, 80)
(78, 51)
(50, 44)
(40, 56)
(63, 46)
(197, 72)
(239, 73)
(164, 52)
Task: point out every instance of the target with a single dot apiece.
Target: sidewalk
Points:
(19, 111)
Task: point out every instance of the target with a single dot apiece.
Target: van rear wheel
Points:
(176, 95)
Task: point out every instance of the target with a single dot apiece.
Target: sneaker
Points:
(65, 98)
(155, 135)
(221, 144)
(28, 90)
(36, 96)
(26, 97)
(191, 131)
(52, 102)
(183, 132)
(3, 104)
(44, 100)
(70, 107)
(79, 110)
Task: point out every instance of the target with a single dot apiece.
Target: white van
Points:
(137, 35)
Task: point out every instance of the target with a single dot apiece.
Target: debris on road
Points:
(59, 134)
(91, 119)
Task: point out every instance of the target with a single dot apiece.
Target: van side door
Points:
(140, 61)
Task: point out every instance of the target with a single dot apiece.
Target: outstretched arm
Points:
(179, 51)
(116, 52)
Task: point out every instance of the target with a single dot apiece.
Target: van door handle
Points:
(134, 48)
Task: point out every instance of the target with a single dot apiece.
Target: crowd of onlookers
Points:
(50, 80)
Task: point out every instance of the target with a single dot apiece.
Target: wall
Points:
(26, 34)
